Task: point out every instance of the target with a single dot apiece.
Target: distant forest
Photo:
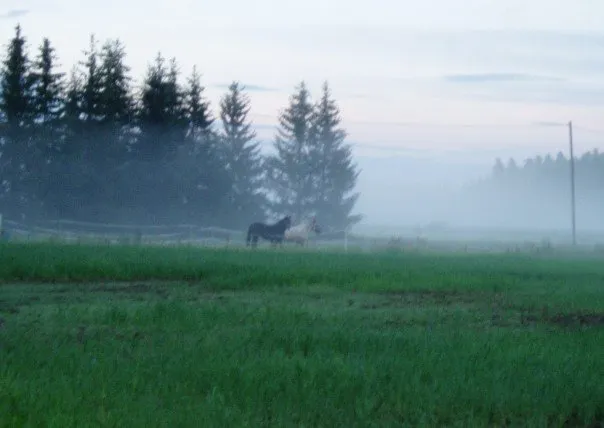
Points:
(92, 145)
(537, 193)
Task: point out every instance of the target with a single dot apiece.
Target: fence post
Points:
(346, 239)
(138, 237)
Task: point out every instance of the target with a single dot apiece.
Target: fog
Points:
(160, 152)
(399, 194)
(465, 194)
(460, 195)
(403, 190)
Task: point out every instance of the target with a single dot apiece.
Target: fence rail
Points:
(189, 234)
(80, 231)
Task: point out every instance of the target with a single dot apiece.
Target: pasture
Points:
(149, 336)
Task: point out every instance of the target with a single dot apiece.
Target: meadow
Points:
(151, 336)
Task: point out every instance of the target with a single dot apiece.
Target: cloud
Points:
(521, 87)
(14, 13)
(249, 88)
(570, 95)
(499, 78)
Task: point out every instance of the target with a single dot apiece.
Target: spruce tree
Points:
(48, 95)
(71, 145)
(498, 169)
(242, 160)
(92, 88)
(290, 180)
(162, 122)
(116, 109)
(197, 108)
(70, 185)
(48, 129)
(89, 178)
(161, 114)
(334, 171)
(201, 177)
(16, 87)
(16, 114)
(116, 102)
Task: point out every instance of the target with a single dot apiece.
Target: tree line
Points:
(92, 145)
(538, 191)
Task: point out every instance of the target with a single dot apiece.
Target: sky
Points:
(430, 91)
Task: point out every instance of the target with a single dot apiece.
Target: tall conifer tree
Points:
(290, 180)
(333, 170)
(16, 115)
(48, 130)
(161, 117)
(242, 160)
(200, 173)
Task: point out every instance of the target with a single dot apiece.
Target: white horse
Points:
(299, 233)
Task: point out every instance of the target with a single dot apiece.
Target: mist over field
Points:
(406, 191)
(318, 213)
(403, 194)
(104, 131)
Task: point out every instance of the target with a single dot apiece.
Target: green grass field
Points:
(147, 336)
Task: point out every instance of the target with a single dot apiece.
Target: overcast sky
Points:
(459, 82)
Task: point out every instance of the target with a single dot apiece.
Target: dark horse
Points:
(271, 232)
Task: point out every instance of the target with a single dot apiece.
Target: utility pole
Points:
(572, 181)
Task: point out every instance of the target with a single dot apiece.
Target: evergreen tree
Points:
(200, 174)
(290, 180)
(16, 88)
(163, 126)
(512, 165)
(176, 108)
(116, 105)
(87, 140)
(48, 94)
(242, 160)
(72, 146)
(17, 113)
(116, 108)
(48, 130)
(71, 185)
(161, 115)
(197, 108)
(498, 168)
(93, 87)
(334, 172)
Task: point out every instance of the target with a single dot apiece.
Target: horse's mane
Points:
(283, 220)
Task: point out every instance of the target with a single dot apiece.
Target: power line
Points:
(590, 130)
(447, 125)
(410, 124)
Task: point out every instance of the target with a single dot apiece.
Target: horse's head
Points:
(286, 222)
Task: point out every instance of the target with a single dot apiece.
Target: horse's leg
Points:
(279, 242)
